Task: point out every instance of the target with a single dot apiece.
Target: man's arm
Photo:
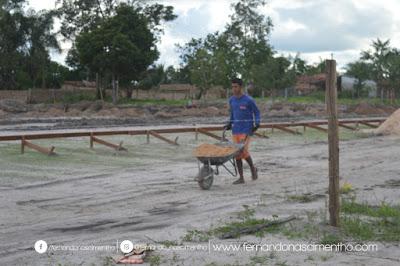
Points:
(256, 113)
(228, 125)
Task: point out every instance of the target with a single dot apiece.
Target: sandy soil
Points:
(99, 197)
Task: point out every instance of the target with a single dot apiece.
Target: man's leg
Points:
(254, 174)
(239, 165)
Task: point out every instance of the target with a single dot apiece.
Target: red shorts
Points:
(240, 138)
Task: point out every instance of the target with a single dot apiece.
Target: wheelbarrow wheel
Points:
(205, 177)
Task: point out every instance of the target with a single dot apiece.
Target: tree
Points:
(393, 67)
(275, 74)
(361, 71)
(115, 28)
(26, 38)
(153, 77)
(247, 35)
(122, 46)
(13, 31)
(39, 42)
(378, 57)
(300, 66)
(84, 15)
(218, 57)
(177, 75)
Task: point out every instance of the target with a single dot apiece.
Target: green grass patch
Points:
(169, 243)
(303, 198)
(330, 239)
(196, 236)
(383, 210)
(235, 227)
(153, 260)
(365, 222)
(74, 97)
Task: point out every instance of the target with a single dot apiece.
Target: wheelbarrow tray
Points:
(219, 160)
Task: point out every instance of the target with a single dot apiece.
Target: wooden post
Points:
(106, 143)
(155, 134)
(22, 145)
(205, 132)
(38, 148)
(91, 140)
(333, 139)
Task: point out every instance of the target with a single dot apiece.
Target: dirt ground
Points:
(102, 114)
(100, 197)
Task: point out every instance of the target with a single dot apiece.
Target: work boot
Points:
(254, 173)
(239, 181)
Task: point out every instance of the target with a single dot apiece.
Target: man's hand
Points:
(256, 127)
(228, 126)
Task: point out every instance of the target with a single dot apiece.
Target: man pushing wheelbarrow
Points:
(244, 121)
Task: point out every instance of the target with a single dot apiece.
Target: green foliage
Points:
(362, 71)
(384, 210)
(366, 222)
(153, 77)
(122, 44)
(218, 57)
(116, 40)
(196, 236)
(384, 62)
(73, 97)
(330, 239)
(26, 38)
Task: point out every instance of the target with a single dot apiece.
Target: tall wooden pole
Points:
(333, 139)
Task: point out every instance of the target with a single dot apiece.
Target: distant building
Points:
(307, 84)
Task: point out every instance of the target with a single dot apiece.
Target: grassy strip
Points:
(381, 223)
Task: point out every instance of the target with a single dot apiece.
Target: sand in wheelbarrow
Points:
(211, 150)
(391, 126)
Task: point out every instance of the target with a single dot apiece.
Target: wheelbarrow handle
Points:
(224, 135)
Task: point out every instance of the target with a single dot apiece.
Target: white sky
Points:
(314, 28)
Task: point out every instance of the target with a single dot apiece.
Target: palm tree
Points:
(379, 59)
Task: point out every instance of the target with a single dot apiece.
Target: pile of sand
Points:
(55, 112)
(211, 150)
(391, 126)
(162, 114)
(367, 109)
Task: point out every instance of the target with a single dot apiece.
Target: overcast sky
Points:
(314, 28)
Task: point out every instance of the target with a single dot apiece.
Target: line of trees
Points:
(113, 40)
(115, 43)
(380, 63)
(242, 49)
(26, 39)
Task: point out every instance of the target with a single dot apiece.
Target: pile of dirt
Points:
(211, 150)
(191, 112)
(391, 126)
(110, 112)
(52, 111)
(162, 114)
(367, 109)
(210, 111)
(13, 106)
(131, 112)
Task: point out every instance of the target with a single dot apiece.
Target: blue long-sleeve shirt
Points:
(244, 114)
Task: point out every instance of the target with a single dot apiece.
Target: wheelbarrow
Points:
(209, 166)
